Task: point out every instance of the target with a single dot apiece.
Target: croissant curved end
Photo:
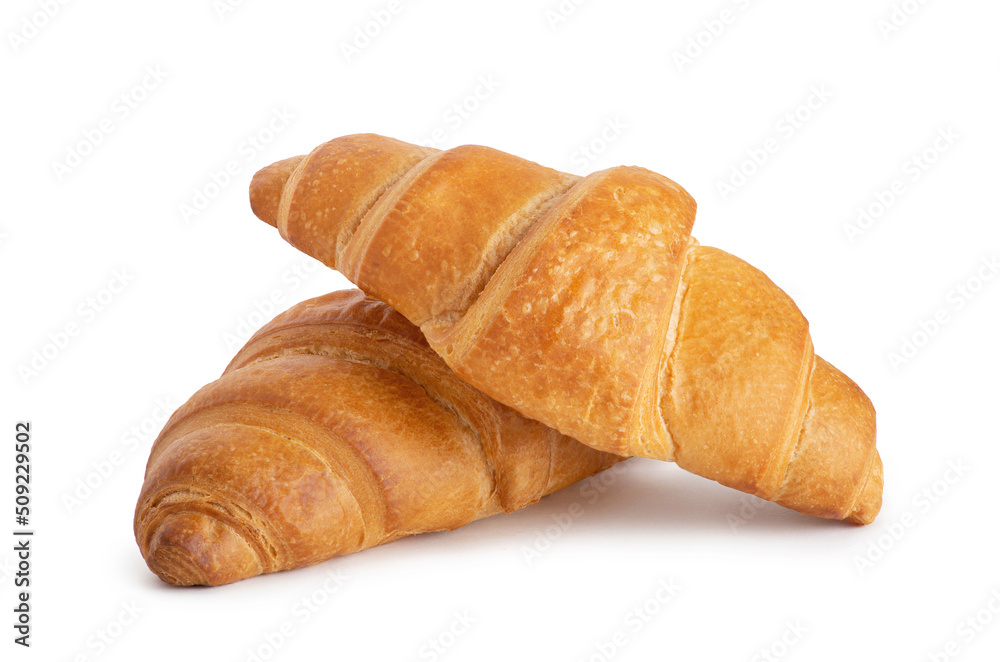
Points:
(870, 501)
(191, 548)
(266, 188)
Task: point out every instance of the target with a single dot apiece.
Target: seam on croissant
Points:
(477, 437)
(462, 335)
(335, 352)
(795, 452)
(793, 430)
(859, 489)
(287, 192)
(531, 213)
(374, 524)
(658, 387)
(351, 257)
(672, 345)
(331, 469)
(261, 536)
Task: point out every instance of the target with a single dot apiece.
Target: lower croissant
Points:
(335, 428)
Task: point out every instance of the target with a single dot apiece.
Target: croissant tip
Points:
(195, 549)
(870, 501)
(266, 188)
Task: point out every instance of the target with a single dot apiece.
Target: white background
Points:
(750, 576)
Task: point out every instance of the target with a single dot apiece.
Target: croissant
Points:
(335, 428)
(585, 303)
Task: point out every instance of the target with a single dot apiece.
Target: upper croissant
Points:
(586, 304)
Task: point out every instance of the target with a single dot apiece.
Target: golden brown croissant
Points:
(335, 428)
(585, 303)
